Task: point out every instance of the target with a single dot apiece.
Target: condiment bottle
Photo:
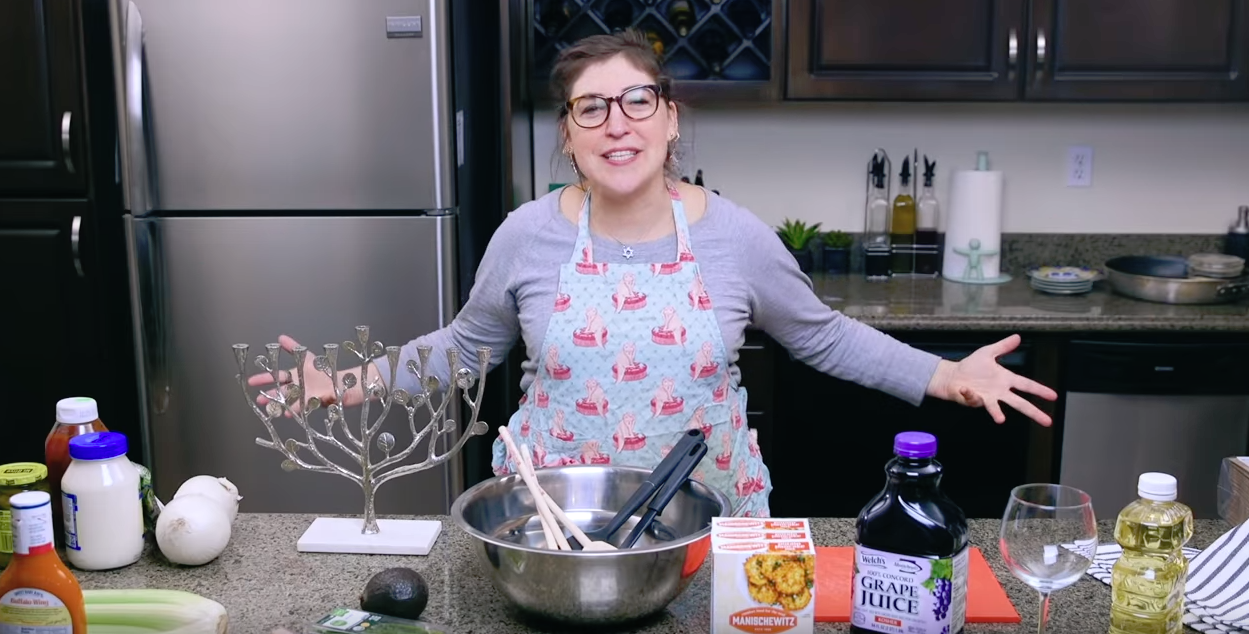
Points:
(16, 478)
(927, 245)
(1237, 242)
(38, 576)
(103, 505)
(74, 417)
(1147, 587)
(902, 225)
(910, 548)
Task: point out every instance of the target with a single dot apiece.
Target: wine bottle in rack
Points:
(681, 16)
(713, 47)
(657, 42)
(745, 16)
(617, 15)
(556, 14)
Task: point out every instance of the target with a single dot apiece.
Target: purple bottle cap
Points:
(100, 445)
(915, 444)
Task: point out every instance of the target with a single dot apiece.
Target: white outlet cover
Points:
(1079, 166)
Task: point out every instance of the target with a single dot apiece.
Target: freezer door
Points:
(204, 284)
(284, 104)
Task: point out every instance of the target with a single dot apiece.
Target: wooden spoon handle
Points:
(534, 491)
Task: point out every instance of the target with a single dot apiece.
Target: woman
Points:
(632, 291)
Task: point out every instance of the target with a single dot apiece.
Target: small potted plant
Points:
(837, 252)
(797, 236)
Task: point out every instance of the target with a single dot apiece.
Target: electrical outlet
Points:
(1079, 166)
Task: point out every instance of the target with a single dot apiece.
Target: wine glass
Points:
(1048, 538)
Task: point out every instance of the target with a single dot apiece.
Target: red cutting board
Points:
(834, 574)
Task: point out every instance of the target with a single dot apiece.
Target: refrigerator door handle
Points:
(127, 24)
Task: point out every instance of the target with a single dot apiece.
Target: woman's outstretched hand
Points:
(316, 382)
(979, 381)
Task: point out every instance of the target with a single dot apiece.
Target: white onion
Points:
(192, 530)
(219, 489)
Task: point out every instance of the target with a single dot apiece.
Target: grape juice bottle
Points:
(910, 551)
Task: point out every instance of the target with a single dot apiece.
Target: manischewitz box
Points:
(763, 576)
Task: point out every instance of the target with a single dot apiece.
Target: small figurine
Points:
(974, 253)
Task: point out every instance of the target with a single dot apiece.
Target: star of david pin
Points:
(627, 253)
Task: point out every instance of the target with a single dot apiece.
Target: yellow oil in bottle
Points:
(1147, 583)
(902, 225)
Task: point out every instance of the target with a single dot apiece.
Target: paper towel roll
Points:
(975, 212)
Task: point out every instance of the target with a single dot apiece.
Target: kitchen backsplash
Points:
(1157, 169)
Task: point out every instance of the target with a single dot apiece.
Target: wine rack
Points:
(714, 50)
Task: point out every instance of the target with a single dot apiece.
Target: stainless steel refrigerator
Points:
(288, 167)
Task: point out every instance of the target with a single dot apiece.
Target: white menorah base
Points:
(396, 537)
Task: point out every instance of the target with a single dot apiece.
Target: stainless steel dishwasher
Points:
(1131, 407)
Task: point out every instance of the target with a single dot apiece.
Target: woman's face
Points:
(619, 155)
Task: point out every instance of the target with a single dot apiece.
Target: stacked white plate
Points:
(1063, 280)
(1215, 265)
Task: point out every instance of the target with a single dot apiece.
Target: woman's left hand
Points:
(978, 381)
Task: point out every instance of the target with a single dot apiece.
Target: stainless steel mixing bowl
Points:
(587, 587)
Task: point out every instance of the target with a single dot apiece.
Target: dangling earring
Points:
(572, 161)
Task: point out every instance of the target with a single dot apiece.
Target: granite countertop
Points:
(937, 304)
(265, 584)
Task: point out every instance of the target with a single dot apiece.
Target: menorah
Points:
(289, 400)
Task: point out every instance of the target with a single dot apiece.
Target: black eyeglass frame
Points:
(569, 105)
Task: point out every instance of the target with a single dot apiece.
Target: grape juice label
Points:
(903, 594)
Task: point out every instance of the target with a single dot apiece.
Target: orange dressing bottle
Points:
(37, 590)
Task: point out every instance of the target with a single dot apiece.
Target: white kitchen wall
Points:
(1156, 168)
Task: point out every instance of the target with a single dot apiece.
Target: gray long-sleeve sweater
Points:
(749, 275)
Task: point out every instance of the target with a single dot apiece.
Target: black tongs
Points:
(667, 478)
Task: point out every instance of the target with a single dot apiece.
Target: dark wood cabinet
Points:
(757, 363)
(1002, 50)
(49, 322)
(902, 50)
(42, 117)
(1146, 50)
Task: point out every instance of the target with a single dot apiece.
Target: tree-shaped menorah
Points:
(366, 535)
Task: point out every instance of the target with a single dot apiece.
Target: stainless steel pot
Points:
(1166, 280)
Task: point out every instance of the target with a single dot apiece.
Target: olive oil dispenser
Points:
(902, 224)
(876, 251)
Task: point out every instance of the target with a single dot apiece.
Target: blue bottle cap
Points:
(915, 444)
(100, 445)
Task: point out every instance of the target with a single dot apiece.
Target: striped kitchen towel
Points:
(1217, 589)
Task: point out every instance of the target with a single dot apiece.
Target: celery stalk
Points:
(153, 611)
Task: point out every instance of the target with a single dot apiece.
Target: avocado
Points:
(397, 592)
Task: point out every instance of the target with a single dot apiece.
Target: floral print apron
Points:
(633, 357)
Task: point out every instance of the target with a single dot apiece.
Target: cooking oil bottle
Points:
(1147, 584)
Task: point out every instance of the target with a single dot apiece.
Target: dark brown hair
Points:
(635, 48)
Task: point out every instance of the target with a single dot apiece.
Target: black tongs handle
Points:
(655, 480)
(689, 461)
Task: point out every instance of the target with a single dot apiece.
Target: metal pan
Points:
(1166, 280)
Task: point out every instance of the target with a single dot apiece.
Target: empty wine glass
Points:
(1048, 538)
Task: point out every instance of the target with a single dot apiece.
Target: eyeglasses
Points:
(637, 103)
